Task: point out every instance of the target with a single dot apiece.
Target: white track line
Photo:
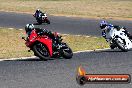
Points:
(24, 58)
(60, 33)
(20, 29)
(11, 28)
(21, 58)
(77, 35)
(91, 50)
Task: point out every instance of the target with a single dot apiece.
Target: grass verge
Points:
(12, 46)
(85, 8)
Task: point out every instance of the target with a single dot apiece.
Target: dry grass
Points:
(79, 43)
(13, 46)
(90, 8)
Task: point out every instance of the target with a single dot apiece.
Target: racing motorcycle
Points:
(119, 39)
(42, 19)
(45, 47)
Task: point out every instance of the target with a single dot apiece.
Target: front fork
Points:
(58, 49)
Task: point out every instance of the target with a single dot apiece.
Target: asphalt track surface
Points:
(61, 73)
(66, 25)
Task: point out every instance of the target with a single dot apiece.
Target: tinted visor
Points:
(103, 26)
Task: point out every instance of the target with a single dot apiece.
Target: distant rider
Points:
(38, 14)
(105, 27)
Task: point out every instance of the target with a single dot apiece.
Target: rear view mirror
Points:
(23, 38)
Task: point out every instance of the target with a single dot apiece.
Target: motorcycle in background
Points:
(42, 19)
(118, 39)
(44, 47)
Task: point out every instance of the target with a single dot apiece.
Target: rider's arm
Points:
(39, 31)
(35, 15)
(104, 33)
(42, 31)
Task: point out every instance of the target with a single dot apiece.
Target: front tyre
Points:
(41, 51)
(39, 22)
(112, 46)
(121, 45)
(47, 21)
(67, 52)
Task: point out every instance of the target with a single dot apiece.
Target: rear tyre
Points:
(41, 51)
(121, 45)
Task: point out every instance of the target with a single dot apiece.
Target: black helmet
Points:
(29, 27)
(103, 24)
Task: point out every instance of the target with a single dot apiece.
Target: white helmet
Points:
(29, 27)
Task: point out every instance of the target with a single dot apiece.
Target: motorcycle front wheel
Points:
(67, 52)
(47, 21)
(41, 51)
(39, 22)
(121, 45)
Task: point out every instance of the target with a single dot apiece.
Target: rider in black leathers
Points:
(38, 14)
(40, 31)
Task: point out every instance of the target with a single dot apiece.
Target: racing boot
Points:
(112, 45)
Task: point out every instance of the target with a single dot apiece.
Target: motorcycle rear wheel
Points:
(41, 51)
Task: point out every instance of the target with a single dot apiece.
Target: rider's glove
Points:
(103, 34)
